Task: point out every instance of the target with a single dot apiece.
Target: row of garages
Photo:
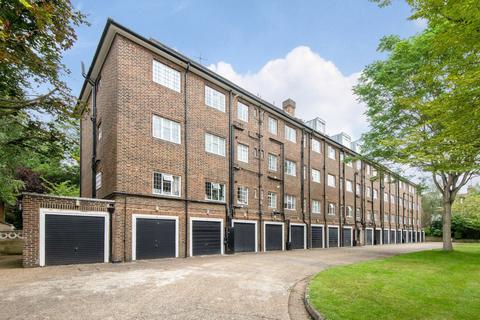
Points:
(78, 237)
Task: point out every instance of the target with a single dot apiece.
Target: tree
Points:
(431, 204)
(422, 100)
(36, 106)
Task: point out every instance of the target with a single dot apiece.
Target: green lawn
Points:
(421, 285)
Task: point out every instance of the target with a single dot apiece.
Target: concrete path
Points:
(249, 286)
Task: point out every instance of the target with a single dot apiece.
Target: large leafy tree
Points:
(37, 109)
(423, 100)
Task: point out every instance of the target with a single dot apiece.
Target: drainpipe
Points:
(309, 227)
(382, 205)
(362, 201)
(340, 200)
(260, 152)
(325, 206)
(302, 179)
(94, 84)
(231, 155)
(403, 214)
(373, 211)
(185, 171)
(355, 240)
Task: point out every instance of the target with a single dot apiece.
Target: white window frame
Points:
(349, 185)
(294, 202)
(269, 199)
(256, 229)
(42, 233)
(319, 211)
(222, 251)
(244, 191)
(270, 166)
(290, 165)
(334, 209)
(332, 153)
(242, 152)
(166, 76)
(329, 180)
(153, 217)
(349, 212)
(220, 141)
(220, 184)
(272, 125)
(316, 146)
(160, 132)
(242, 111)
(304, 233)
(173, 179)
(265, 234)
(319, 176)
(214, 99)
(375, 193)
(290, 134)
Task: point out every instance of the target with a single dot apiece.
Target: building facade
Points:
(197, 165)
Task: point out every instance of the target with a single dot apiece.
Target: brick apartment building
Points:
(185, 155)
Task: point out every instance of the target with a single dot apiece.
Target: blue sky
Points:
(310, 51)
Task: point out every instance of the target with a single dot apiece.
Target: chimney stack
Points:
(289, 107)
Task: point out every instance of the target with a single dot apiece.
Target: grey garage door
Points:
(74, 239)
(399, 236)
(377, 237)
(392, 236)
(385, 237)
(317, 237)
(206, 237)
(332, 237)
(404, 238)
(155, 238)
(273, 237)
(244, 235)
(298, 237)
(347, 237)
(369, 237)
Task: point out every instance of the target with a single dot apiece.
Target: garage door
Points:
(377, 238)
(273, 237)
(297, 236)
(244, 235)
(206, 237)
(332, 237)
(399, 236)
(73, 239)
(392, 236)
(369, 237)
(404, 238)
(155, 238)
(317, 237)
(347, 237)
(385, 237)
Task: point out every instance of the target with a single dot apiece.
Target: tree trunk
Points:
(447, 224)
(2, 212)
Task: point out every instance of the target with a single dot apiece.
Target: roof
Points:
(112, 28)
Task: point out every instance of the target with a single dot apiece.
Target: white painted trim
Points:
(304, 225)
(256, 229)
(44, 211)
(388, 234)
(222, 251)
(351, 234)
(366, 242)
(323, 233)
(265, 235)
(338, 234)
(150, 216)
(381, 235)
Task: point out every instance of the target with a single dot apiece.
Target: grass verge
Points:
(421, 285)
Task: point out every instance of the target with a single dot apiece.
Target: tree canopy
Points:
(423, 100)
(37, 110)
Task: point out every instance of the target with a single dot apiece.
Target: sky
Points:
(309, 51)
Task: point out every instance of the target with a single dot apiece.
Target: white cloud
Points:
(316, 84)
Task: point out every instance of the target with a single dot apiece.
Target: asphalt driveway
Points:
(248, 286)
